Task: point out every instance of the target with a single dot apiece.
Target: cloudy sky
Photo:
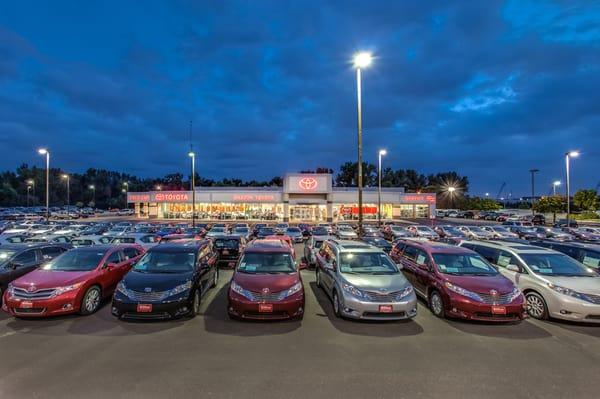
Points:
(488, 88)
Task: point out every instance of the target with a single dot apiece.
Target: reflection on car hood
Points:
(482, 284)
(274, 282)
(51, 278)
(155, 281)
(587, 285)
(370, 282)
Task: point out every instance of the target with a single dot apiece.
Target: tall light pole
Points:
(30, 186)
(451, 191)
(125, 191)
(44, 151)
(533, 172)
(192, 155)
(93, 188)
(554, 185)
(381, 154)
(568, 156)
(67, 178)
(361, 60)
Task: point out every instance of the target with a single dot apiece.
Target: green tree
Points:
(586, 200)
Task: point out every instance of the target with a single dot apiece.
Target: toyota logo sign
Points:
(493, 293)
(266, 291)
(308, 183)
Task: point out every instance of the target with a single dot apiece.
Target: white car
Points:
(146, 241)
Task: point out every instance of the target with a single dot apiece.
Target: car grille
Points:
(374, 296)
(384, 315)
(593, 317)
(266, 316)
(593, 298)
(29, 310)
(147, 296)
(46, 293)
(485, 315)
(271, 297)
(495, 299)
(146, 316)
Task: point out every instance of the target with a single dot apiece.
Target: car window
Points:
(51, 252)
(410, 252)
(15, 240)
(505, 258)
(104, 240)
(130, 253)
(148, 239)
(489, 254)
(591, 259)
(115, 257)
(26, 257)
(421, 257)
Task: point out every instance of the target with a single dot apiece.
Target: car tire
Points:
(536, 306)
(91, 301)
(318, 279)
(215, 278)
(337, 306)
(436, 305)
(195, 305)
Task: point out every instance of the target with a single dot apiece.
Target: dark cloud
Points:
(489, 89)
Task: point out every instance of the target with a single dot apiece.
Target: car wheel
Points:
(195, 310)
(318, 279)
(215, 278)
(91, 301)
(536, 306)
(436, 304)
(337, 306)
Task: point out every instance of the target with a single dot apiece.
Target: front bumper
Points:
(568, 308)
(289, 308)
(124, 308)
(355, 308)
(465, 308)
(69, 302)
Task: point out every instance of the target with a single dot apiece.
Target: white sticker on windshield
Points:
(545, 271)
(503, 260)
(591, 262)
(421, 259)
(452, 270)
(441, 266)
(250, 268)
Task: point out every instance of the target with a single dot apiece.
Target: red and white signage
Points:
(308, 183)
(302, 183)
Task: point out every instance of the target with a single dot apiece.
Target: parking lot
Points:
(321, 356)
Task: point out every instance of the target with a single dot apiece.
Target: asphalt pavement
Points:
(319, 357)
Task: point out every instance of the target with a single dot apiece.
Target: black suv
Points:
(17, 260)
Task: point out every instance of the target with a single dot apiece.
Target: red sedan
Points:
(76, 281)
(266, 284)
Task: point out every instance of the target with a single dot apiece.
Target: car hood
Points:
(588, 285)
(369, 282)
(138, 281)
(51, 278)
(481, 284)
(274, 282)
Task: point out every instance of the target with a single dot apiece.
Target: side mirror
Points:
(513, 268)
(302, 265)
(15, 265)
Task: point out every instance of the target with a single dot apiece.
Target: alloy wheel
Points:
(336, 304)
(537, 308)
(92, 300)
(196, 304)
(436, 304)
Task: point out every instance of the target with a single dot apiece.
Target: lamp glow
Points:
(362, 59)
(42, 151)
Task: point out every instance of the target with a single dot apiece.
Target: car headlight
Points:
(238, 289)
(294, 289)
(179, 289)
(10, 289)
(515, 293)
(62, 290)
(352, 290)
(123, 289)
(569, 292)
(406, 292)
(462, 291)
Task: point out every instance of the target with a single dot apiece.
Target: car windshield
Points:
(477, 229)
(227, 243)
(366, 263)
(318, 244)
(166, 262)
(378, 241)
(217, 230)
(501, 229)
(398, 228)
(81, 242)
(294, 230)
(6, 254)
(76, 261)
(266, 232)
(240, 230)
(424, 229)
(320, 231)
(453, 230)
(463, 264)
(266, 263)
(552, 264)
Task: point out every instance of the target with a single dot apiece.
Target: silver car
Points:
(476, 232)
(500, 232)
(295, 234)
(363, 282)
(554, 284)
(346, 233)
(312, 246)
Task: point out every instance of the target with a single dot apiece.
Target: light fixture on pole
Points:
(158, 187)
(533, 172)
(381, 154)
(30, 186)
(451, 190)
(361, 60)
(44, 151)
(554, 185)
(192, 155)
(126, 192)
(67, 178)
(93, 188)
(568, 156)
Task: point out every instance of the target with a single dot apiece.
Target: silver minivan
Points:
(554, 284)
(363, 282)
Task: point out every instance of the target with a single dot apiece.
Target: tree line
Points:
(26, 185)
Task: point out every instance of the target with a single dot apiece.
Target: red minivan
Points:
(457, 282)
(75, 281)
(266, 283)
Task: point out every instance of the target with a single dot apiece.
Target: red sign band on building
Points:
(419, 198)
(138, 197)
(171, 197)
(346, 210)
(251, 197)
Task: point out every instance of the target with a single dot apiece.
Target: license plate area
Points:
(265, 307)
(26, 305)
(386, 308)
(144, 308)
(499, 310)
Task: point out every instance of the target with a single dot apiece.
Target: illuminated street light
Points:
(67, 178)
(93, 188)
(381, 154)
(158, 187)
(568, 156)
(192, 155)
(44, 151)
(554, 185)
(361, 60)
(30, 187)
(126, 192)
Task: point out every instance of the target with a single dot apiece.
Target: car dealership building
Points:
(303, 197)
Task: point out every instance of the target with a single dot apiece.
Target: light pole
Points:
(67, 178)
(158, 187)
(451, 191)
(44, 151)
(361, 60)
(93, 188)
(568, 156)
(192, 155)
(533, 172)
(554, 185)
(381, 154)
(126, 191)
(30, 186)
